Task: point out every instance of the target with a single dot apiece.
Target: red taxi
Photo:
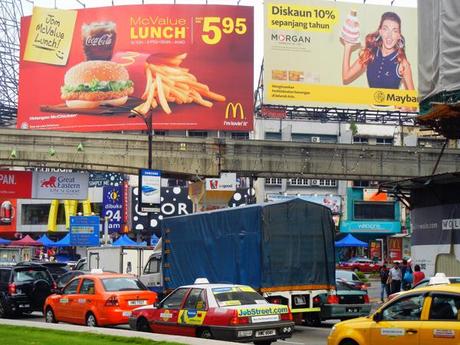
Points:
(98, 300)
(216, 311)
(359, 264)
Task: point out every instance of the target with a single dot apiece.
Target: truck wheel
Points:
(312, 320)
(205, 333)
(143, 325)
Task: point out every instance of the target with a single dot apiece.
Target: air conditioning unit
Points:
(314, 182)
(315, 139)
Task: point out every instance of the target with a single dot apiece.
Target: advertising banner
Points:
(175, 202)
(8, 215)
(15, 184)
(150, 190)
(112, 207)
(62, 186)
(338, 54)
(395, 248)
(84, 231)
(334, 202)
(435, 230)
(191, 65)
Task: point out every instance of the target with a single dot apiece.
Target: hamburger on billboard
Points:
(89, 69)
(338, 54)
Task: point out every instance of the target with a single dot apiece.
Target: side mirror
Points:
(377, 316)
(156, 305)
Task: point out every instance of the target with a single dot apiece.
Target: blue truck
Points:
(284, 249)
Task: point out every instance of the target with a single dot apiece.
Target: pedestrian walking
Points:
(418, 274)
(384, 286)
(395, 278)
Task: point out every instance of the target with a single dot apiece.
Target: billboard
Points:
(62, 186)
(338, 54)
(112, 207)
(15, 184)
(150, 189)
(85, 70)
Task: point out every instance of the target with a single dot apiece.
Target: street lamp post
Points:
(148, 123)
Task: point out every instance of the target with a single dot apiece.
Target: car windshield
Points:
(122, 284)
(29, 274)
(455, 280)
(238, 295)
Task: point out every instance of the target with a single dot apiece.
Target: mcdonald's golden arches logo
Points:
(233, 109)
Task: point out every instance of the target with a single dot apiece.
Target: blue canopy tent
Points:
(350, 241)
(126, 241)
(154, 240)
(63, 242)
(3, 241)
(46, 241)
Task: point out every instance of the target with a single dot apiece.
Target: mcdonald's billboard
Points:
(192, 65)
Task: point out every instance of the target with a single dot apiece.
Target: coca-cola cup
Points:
(98, 40)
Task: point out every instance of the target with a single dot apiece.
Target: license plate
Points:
(24, 306)
(137, 302)
(352, 310)
(265, 333)
(126, 313)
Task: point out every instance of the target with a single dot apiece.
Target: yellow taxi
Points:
(429, 315)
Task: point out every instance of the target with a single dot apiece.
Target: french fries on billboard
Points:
(168, 82)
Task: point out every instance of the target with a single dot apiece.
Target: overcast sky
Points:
(258, 12)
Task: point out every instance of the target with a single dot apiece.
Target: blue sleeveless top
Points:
(383, 72)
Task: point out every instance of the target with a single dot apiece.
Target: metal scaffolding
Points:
(10, 14)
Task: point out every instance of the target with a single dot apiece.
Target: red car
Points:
(216, 311)
(359, 264)
(98, 300)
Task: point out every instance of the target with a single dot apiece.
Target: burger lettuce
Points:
(97, 85)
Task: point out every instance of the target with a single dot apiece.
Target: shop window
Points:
(197, 134)
(272, 136)
(274, 181)
(384, 141)
(373, 210)
(360, 140)
(240, 136)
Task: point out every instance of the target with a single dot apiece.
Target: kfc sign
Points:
(15, 184)
(226, 182)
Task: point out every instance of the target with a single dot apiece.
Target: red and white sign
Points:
(226, 182)
(15, 184)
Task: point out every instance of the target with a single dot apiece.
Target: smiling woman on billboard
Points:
(383, 57)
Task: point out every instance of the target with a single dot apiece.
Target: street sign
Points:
(84, 231)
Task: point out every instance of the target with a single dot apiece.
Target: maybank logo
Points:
(390, 98)
(379, 96)
(234, 110)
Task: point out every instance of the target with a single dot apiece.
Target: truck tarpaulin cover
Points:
(276, 245)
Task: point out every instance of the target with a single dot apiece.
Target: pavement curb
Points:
(112, 331)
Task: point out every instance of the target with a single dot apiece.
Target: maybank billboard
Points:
(338, 54)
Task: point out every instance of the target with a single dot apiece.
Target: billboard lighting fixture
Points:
(80, 147)
(13, 154)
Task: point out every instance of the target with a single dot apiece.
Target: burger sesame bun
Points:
(86, 72)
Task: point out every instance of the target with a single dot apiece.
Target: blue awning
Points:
(46, 241)
(350, 241)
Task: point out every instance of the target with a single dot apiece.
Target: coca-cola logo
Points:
(103, 40)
